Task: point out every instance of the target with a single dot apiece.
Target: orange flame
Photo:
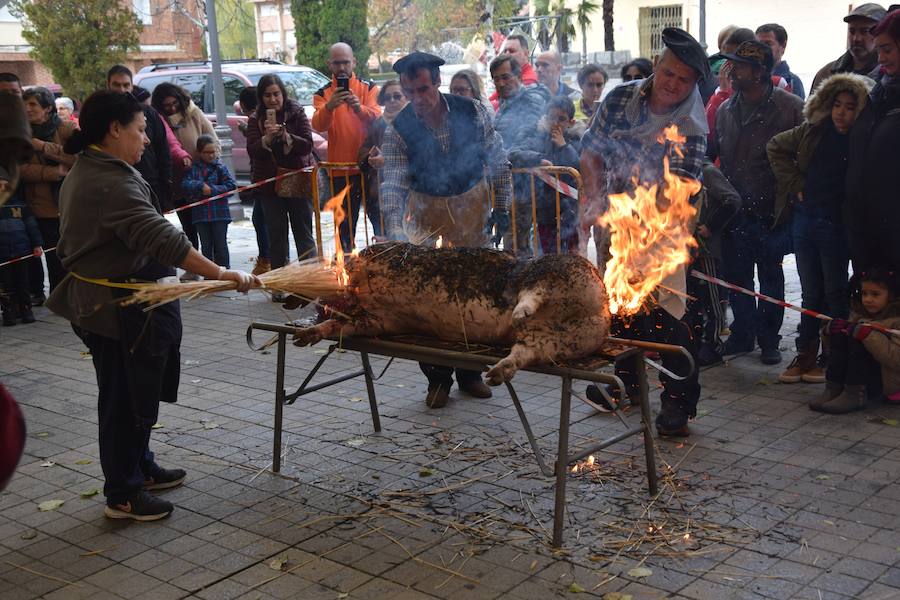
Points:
(587, 465)
(440, 242)
(336, 206)
(651, 235)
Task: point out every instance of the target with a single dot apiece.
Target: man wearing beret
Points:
(759, 236)
(436, 153)
(860, 57)
(623, 135)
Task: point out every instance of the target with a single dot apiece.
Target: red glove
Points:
(860, 331)
(839, 327)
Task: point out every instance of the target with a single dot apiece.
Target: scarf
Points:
(689, 116)
(46, 130)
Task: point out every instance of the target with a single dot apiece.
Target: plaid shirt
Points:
(395, 187)
(219, 180)
(627, 153)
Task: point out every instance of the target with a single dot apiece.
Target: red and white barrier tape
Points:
(782, 303)
(556, 183)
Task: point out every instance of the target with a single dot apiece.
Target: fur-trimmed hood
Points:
(818, 106)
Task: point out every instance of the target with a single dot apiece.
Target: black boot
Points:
(9, 311)
(672, 420)
(25, 313)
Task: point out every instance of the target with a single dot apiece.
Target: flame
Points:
(587, 465)
(336, 206)
(651, 235)
(440, 242)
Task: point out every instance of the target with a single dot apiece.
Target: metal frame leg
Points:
(279, 405)
(370, 389)
(647, 419)
(562, 461)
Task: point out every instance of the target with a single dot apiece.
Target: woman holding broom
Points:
(112, 236)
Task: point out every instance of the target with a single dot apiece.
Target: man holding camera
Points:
(345, 109)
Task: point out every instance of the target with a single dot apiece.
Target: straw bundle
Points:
(310, 279)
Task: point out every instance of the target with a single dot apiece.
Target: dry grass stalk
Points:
(309, 279)
(39, 574)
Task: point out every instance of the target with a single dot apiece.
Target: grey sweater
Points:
(109, 228)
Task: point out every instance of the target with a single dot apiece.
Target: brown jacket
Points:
(884, 348)
(42, 173)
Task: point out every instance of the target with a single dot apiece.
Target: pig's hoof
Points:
(500, 373)
(307, 337)
(520, 313)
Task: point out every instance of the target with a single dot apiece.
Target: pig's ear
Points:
(295, 302)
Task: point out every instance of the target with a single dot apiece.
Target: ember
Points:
(651, 235)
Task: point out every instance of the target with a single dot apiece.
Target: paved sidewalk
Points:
(765, 500)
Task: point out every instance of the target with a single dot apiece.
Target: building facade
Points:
(275, 37)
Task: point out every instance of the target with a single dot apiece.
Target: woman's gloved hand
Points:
(244, 280)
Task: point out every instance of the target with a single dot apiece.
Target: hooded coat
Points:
(790, 152)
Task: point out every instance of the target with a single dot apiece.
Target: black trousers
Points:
(278, 212)
(443, 376)
(660, 326)
(131, 385)
(14, 279)
(706, 314)
(187, 225)
(850, 363)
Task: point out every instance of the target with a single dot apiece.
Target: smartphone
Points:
(270, 115)
(343, 83)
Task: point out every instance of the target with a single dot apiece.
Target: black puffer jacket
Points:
(155, 165)
(873, 180)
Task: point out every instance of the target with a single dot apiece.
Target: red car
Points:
(301, 83)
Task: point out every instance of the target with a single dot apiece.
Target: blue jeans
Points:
(822, 253)
(214, 241)
(753, 243)
(259, 225)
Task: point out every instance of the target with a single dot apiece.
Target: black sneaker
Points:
(601, 404)
(672, 421)
(770, 356)
(140, 506)
(38, 299)
(164, 479)
(26, 314)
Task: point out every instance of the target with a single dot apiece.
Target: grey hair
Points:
(67, 102)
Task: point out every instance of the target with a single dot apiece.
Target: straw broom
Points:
(309, 279)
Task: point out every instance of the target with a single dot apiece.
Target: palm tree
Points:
(609, 44)
(583, 17)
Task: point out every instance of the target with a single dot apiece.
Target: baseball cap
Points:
(869, 10)
(754, 53)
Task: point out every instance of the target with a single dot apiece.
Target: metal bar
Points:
(302, 389)
(547, 471)
(370, 389)
(317, 209)
(512, 212)
(537, 245)
(662, 349)
(605, 443)
(559, 510)
(558, 221)
(315, 388)
(646, 420)
(279, 404)
(362, 187)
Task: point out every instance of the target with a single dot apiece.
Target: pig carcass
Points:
(549, 309)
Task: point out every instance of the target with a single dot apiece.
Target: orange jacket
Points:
(346, 128)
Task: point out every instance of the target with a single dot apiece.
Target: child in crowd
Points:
(248, 101)
(553, 143)
(718, 202)
(864, 363)
(19, 235)
(209, 177)
(810, 164)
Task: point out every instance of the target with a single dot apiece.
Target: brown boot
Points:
(851, 399)
(437, 396)
(832, 390)
(262, 266)
(801, 364)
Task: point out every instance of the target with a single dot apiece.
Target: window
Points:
(300, 85)
(233, 87)
(150, 83)
(271, 37)
(195, 85)
(268, 10)
(651, 21)
(143, 11)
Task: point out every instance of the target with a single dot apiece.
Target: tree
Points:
(237, 29)
(583, 17)
(609, 43)
(78, 40)
(320, 23)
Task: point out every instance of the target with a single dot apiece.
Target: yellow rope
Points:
(107, 283)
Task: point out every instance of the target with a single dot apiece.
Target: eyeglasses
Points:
(632, 77)
(459, 91)
(394, 97)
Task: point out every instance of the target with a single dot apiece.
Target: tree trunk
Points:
(609, 42)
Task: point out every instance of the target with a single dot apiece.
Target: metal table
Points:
(627, 353)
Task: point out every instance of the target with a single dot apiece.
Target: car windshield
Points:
(301, 85)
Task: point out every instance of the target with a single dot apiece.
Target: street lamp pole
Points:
(223, 130)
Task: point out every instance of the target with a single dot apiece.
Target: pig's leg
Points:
(529, 302)
(519, 356)
(312, 335)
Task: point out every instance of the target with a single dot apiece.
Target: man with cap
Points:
(860, 57)
(436, 152)
(623, 137)
(759, 234)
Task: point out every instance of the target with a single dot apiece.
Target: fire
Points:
(336, 206)
(651, 235)
(587, 465)
(440, 242)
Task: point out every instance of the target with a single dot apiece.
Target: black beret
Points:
(414, 61)
(687, 50)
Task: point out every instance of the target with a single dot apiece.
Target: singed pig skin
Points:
(549, 309)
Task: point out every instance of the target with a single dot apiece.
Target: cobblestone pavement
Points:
(765, 500)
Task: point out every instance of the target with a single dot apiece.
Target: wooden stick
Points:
(39, 574)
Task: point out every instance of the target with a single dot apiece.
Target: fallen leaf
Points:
(576, 589)
(534, 565)
(425, 472)
(763, 382)
(86, 356)
(191, 362)
(827, 522)
(891, 422)
(47, 463)
(277, 564)
(29, 535)
(616, 596)
(50, 505)
(195, 381)
(157, 426)
(355, 442)
(83, 461)
(376, 476)
(400, 385)
(210, 425)
(356, 399)
(42, 434)
(343, 595)
(640, 572)
(823, 477)
(89, 493)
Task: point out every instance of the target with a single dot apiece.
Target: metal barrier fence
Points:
(549, 176)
